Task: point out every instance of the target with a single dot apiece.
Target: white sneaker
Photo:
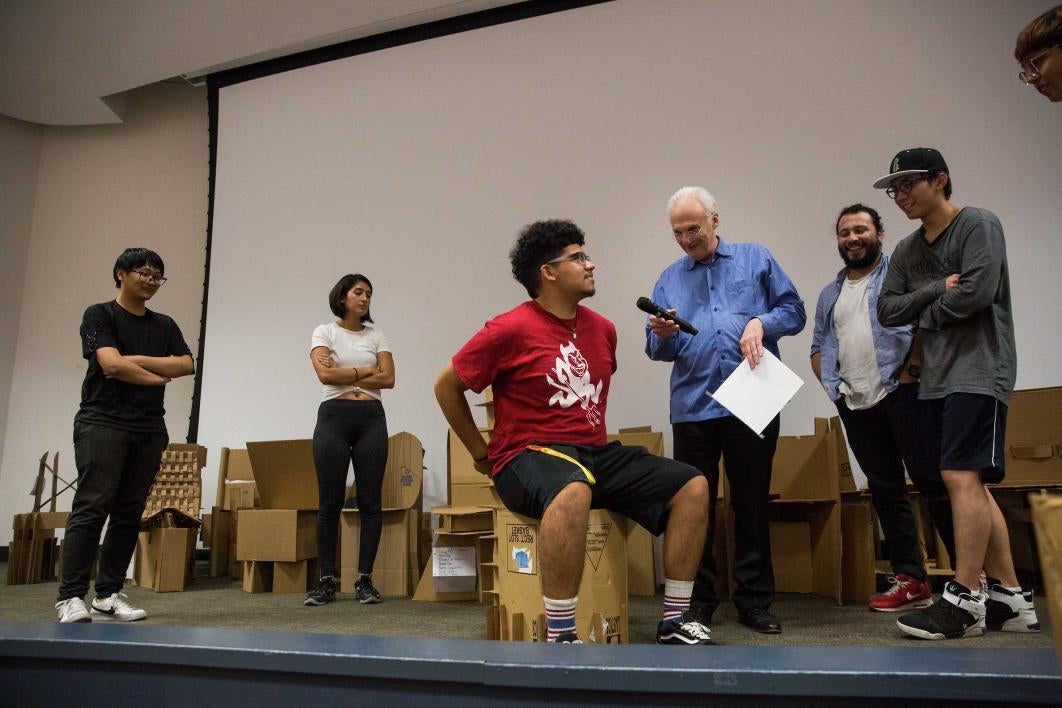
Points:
(116, 608)
(1011, 611)
(72, 609)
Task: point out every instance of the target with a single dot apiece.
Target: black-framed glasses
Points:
(147, 276)
(579, 257)
(1029, 70)
(905, 186)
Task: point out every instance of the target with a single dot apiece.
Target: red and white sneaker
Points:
(906, 593)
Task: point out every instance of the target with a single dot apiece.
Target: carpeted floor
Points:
(219, 602)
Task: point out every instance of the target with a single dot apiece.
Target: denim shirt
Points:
(743, 281)
(891, 344)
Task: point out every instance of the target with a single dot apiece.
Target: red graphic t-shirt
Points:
(550, 377)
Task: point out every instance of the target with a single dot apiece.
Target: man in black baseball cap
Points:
(950, 278)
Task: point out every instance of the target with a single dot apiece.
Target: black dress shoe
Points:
(760, 620)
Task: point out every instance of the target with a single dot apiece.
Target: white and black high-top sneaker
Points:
(1009, 611)
(958, 613)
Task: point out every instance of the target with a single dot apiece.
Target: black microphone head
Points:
(646, 305)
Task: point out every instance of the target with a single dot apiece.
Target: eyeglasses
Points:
(691, 232)
(147, 276)
(579, 257)
(906, 186)
(1029, 70)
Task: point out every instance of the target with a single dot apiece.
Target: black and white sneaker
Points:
(116, 608)
(324, 593)
(957, 614)
(687, 629)
(72, 609)
(1008, 611)
(567, 638)
(367, 594)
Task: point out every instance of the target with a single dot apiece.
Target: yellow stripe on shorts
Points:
(561, 455)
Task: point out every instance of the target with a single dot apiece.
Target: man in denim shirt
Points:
(742, 302)
(871, 373)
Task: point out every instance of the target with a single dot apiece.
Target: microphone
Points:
(647, 305)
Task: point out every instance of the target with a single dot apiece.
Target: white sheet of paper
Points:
(454, 569)
(757, 395)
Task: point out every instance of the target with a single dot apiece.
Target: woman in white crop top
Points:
(353, 361)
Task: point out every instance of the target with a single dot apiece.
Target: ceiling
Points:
(69, 62)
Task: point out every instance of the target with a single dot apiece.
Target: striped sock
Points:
(677, 595)
(560, 617)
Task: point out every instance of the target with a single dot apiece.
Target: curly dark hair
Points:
(540, 242)
(339, 294)
(133, 258)
(875, 217)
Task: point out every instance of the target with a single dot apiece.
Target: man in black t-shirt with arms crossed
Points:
(119, 435)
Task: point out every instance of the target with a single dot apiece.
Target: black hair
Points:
(932, 175)
(336, 298)
(538, 243)
(133, 258)
(875, 217)
(1042, 33)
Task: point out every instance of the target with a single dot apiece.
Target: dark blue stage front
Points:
(47, 664)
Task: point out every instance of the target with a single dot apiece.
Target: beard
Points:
(871, 251)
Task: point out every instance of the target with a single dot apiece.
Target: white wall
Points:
(98, 190)
(20, 144)
(797, 110)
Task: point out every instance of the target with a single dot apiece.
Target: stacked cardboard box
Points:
(644, 552)
(33, 553)
(456, 568)
(1047, 519)
(1033, 447)
(277, 543)
(397, 566)
(516, 611)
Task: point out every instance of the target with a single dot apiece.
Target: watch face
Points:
(914, 370)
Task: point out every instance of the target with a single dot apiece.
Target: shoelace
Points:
(696, 629)
(897, 586)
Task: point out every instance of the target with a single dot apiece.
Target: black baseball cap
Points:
(912, 161)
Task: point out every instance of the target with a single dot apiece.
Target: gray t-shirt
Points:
(968, 331)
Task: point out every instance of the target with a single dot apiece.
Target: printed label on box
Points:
(596, 537)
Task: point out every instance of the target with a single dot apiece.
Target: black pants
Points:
(886, 440)
(747, 459)
(115, 470)
(346, 432)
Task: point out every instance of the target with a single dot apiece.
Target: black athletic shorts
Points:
(622, 478)
(964, 431)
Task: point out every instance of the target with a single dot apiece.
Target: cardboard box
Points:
(443, 579)
(220, 533)
(257, 576)
(601, 615)
(1047, 521)
(821, 555)
(810, 467)
(284, 474)
(395, 571)
(405, 472)
(641, 545)
(475, 494)
(276, 535)
(241, 495)
(460, 468)
(457, 519)
(790, 551)
(858, 549)
(1033, 446)
(234, 466)
(163, 556)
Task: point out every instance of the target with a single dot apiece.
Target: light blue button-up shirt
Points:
(743, 281)
(891, 344)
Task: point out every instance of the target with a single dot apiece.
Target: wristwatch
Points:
(914, 370)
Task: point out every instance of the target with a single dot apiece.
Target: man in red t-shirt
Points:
(549, 362)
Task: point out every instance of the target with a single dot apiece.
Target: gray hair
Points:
(701, 194)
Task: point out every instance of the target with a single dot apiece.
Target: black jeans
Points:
(886, 439)
(115, 470)
(747, 459)
(349, 431)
